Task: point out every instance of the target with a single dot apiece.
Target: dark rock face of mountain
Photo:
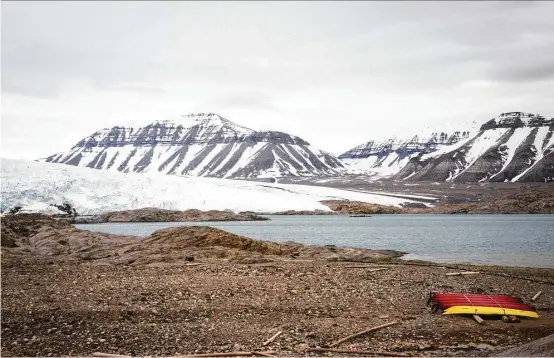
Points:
(513, 147)
(203, 144)
(415, 144)
(390, 156)
(517, 120)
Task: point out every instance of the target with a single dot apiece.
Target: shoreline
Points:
(525, 200)
(269, 231)
(190, 290)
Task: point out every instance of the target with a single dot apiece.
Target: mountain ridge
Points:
(203, 144)
(514, 146)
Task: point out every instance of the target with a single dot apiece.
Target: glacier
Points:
(36, 185)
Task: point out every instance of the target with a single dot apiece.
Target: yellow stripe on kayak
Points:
(481, 310)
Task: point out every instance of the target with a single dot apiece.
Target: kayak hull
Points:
(496, 311)
(447, 300)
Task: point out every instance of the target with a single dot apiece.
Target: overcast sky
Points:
(334, 73)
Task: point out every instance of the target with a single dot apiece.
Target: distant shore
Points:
(528, 201)
(164, 215)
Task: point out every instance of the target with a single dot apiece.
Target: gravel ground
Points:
(60, 307)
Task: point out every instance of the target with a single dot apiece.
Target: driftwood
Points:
(535, 297)
(272, 338)
(478, 319)
(383, 354)
(462, 273)
(231, 354)
(362, 333)
(369, 267)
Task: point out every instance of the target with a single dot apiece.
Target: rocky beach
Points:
(191, 290)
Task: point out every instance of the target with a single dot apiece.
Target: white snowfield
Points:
(36, 185)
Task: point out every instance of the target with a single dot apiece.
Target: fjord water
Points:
(511, 240)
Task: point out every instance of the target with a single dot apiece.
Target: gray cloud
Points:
(271, 59)
(245, 100)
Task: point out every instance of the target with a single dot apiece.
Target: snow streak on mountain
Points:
(203, 144)
(390, 156)
(515, 146)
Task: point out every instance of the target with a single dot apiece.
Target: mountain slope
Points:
(203, 144)
(513, 147)
(37, 186)
(390, 156)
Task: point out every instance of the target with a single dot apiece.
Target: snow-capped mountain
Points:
(203, 144)
(36, 187)
(513, 147)
(390, 156)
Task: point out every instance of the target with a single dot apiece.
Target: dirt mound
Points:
(177, 246)
(203, 236)
(16, 228)
(163, 215)
(43, 235)
(358, 207)
(525, 201)
(543, 347)
(522, 201)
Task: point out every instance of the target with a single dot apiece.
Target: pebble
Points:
(302, 347)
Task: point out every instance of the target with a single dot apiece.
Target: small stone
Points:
(237, 347)
(302, 347)
(484, 346)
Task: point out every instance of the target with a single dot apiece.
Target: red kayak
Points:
(447, 300)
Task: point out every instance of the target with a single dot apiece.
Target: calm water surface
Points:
(514, 240)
